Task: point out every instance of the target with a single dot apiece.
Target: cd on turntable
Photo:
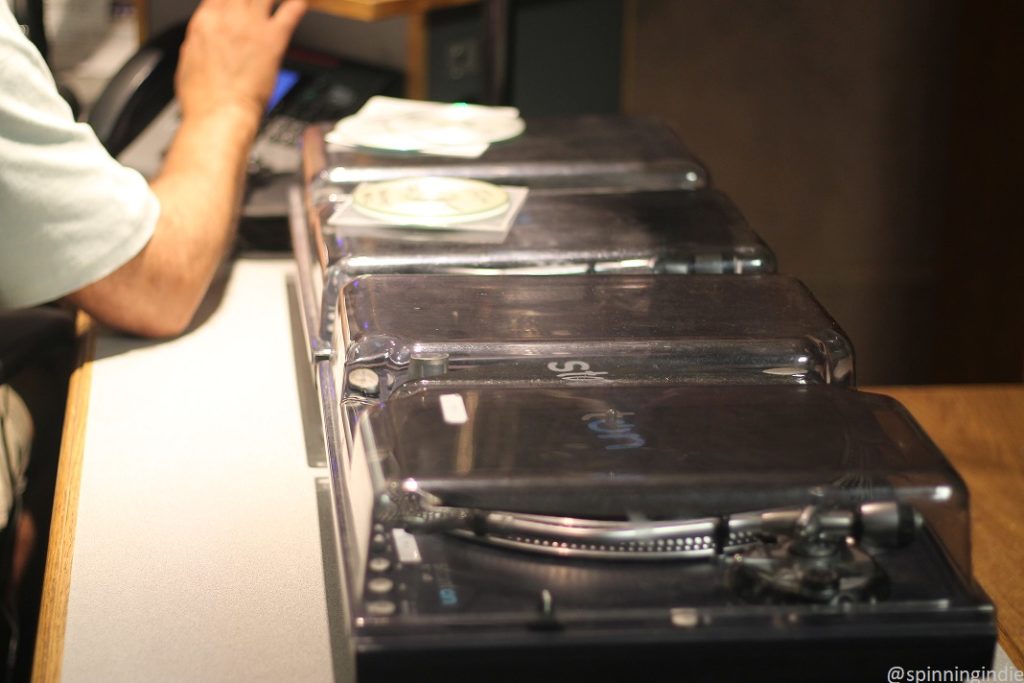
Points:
(672, 231)
(430, 201)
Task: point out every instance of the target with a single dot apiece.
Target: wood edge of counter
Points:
(1010, 646)
(49, 652)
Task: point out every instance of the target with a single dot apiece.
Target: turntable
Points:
(591, 153)
(626, 329)
(665, 533)
(672, 231)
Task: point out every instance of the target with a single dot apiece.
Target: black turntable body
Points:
(765, 533)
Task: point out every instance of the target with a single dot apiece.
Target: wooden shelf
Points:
(374, 10)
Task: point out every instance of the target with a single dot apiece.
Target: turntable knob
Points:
(365, 381)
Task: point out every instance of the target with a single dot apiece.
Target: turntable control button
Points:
(380, 585)
(365, 381)
(379, 564)
(379, 541)
(380, 608)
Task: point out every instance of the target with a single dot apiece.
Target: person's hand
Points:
(231, 55)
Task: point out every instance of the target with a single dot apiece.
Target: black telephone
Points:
(136, 116)
(138, 92)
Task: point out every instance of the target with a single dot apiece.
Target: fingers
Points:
(288, 15)
(263, 7)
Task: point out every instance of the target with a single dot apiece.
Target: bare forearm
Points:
(225, 74)
(202, 178)
(199, 190)
(157, 292)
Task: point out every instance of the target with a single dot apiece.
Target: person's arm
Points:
(228, 65)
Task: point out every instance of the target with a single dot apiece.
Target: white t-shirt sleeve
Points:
(69, 213)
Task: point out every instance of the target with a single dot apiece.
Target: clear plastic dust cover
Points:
(574, 152)
(776, 518)
(671, 231)
(655, 329)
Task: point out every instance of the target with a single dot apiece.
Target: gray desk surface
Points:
(197, 554)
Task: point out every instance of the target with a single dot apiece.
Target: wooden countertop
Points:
(980, 428)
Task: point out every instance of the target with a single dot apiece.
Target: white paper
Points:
(433, 128)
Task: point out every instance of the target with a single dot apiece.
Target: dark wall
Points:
(982, 247)
(846, 133)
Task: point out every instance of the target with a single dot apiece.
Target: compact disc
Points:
(431, 200)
